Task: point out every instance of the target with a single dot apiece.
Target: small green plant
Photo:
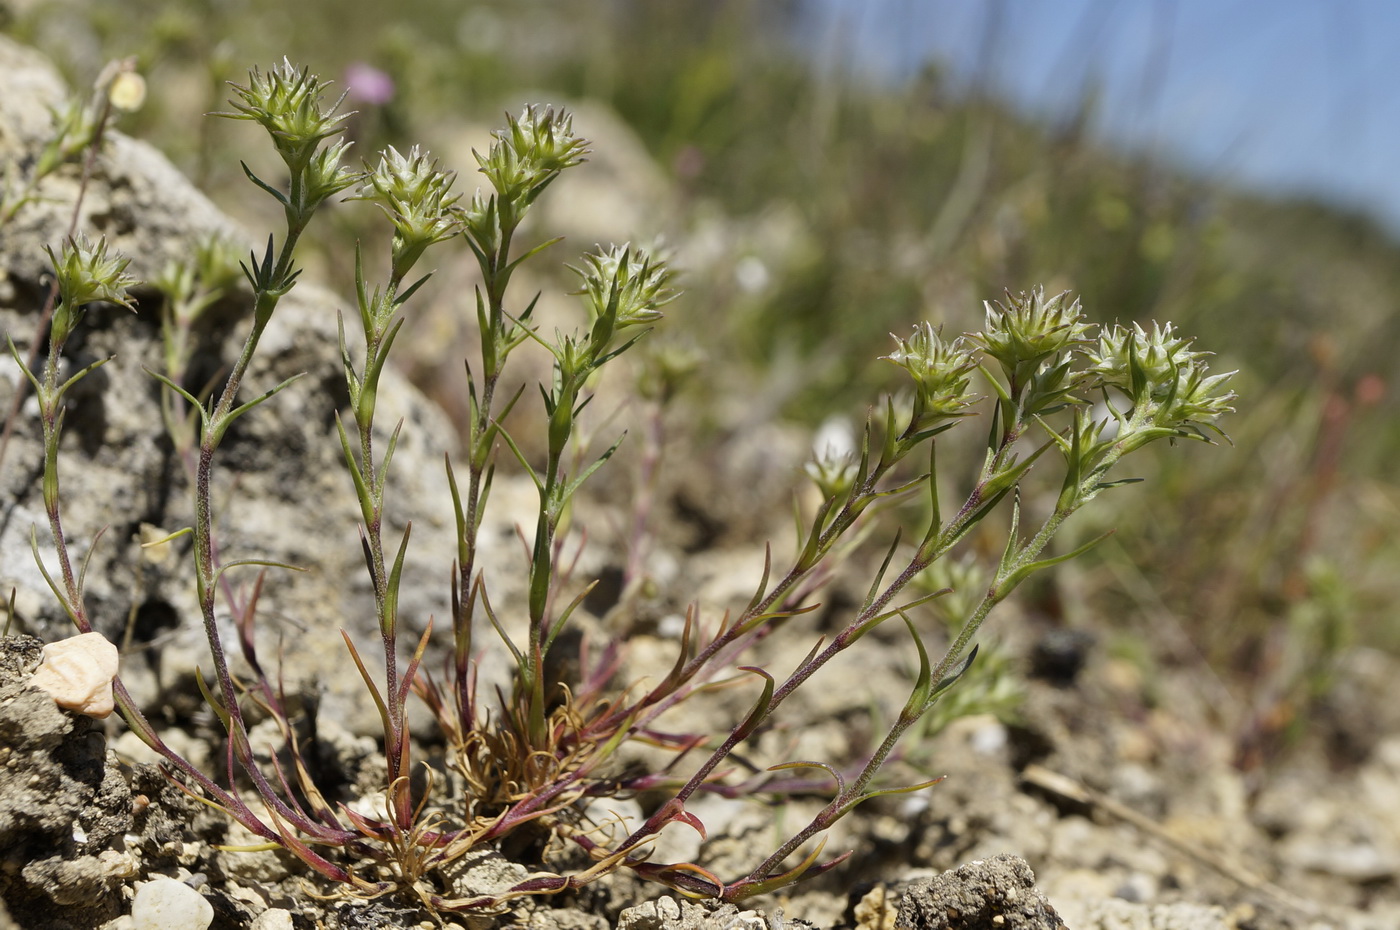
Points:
(77, 134)
(531, 757)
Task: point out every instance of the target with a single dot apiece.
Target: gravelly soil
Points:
(1113, 841)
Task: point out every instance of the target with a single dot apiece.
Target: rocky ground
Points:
(1127, 819)
(1108, 802)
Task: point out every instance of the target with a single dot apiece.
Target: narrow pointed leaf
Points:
(369, 682)
(573, 485)
(219, 710)
(278, 195)
(87, 559)
(519, 456)
(1025, 571)
(500, 630)
(923, 681)
(14, 353)
(533, 252)
(356, 476)
(760, 708)
(822, 766)
(59, 594)
(873, 592)
(244, 408)
(762, 581)
(952, 677)
(63, 388)
(194, 402)
(395, 574)
(750, 887)
(266, 563)
(558, 625)
(903, 789)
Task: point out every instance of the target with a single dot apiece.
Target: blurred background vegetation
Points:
(815, 213)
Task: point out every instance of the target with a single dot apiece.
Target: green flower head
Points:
(86, 274)
(417, 196)
(941, 372)
(1160, 371)
(530, 152)
(287, 103)
(622, 287)
(834, 465)
(1030, 328)
(481, 220)
(1200, 398)
(1157, 355)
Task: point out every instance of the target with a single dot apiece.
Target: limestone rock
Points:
(986, 894)
(280, 483)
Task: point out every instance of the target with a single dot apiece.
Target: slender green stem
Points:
(50, 405)
(998, 591)
(479, 457)
(206, 571)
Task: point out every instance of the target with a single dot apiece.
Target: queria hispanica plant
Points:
(538, 752)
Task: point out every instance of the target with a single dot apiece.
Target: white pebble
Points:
(77, 673)
(273, 919)
(165, 904)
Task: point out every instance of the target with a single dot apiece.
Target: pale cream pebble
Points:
(166, 904)
(77, 673)
(273, 919)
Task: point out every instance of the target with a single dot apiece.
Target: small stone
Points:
(877, 910)
(274, 918)
(77, 672)
(650, 915)
(971, 896)
(166, 904)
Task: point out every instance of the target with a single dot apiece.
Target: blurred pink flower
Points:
(367, 84)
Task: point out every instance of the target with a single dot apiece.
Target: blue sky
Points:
(1284, 96)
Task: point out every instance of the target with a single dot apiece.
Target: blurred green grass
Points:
(895, 204)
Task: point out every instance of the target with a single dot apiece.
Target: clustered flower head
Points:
(287, 103)
(941, 372)
(1158, 354)
(323, 178)
(622, 287)
(417, 196)
(85, 274)
(1029, 329)
(1160, 370)
(832, 470)
(530, 152)
(544, 137)
(1042, 348)
(625, 283)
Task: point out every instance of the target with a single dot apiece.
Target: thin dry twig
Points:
(1076, 791)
